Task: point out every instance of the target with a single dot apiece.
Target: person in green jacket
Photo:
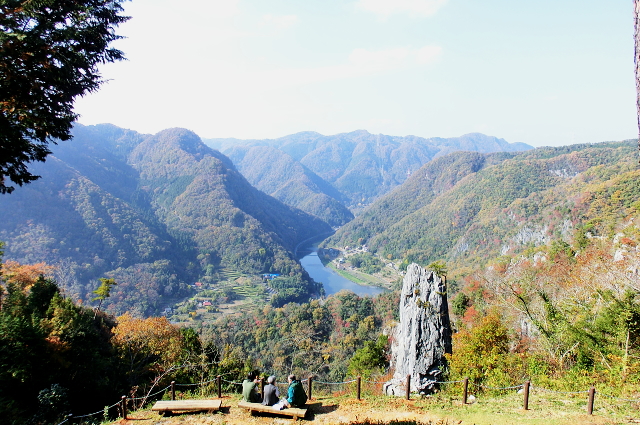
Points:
(296, 397)
(250, 391)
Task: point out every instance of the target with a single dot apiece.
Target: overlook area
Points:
(366, 212)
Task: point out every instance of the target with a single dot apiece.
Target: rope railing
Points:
(150, 395)
(199, 383)
(527, 388)
(484, 387)
(335, 383)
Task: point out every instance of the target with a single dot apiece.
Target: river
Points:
(331, 280)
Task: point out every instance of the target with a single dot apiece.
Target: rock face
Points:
(424, 333)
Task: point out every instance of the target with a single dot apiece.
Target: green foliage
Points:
(49, 51)
(527, 198)
(370, 359)
(145, 222)
(53, 404)
(560, 247)
(104, 290)
(52, 352)
(482, 353)
(439, 268)
(460, 303)
(366, 262)
(309, 338)
(278, 174)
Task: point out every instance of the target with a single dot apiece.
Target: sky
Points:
(544, 72)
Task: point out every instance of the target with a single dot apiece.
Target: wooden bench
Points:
(170, 406)
(294, 412)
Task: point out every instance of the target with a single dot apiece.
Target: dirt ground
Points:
(330, 411)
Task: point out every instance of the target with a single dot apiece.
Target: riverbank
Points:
(359, 277)
(333, 281)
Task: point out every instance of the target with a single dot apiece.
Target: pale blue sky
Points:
(544, 72)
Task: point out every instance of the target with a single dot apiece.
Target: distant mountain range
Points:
(467, 207)
(159, 212)
(359, 165)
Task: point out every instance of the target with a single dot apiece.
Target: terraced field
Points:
(231, 292)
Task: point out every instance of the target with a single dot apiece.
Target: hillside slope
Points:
(466, 208)
(278, 174)
(364, 166)
(142, 209)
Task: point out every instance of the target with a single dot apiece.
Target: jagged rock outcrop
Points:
(423, 335)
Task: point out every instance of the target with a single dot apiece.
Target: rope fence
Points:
(526, 389)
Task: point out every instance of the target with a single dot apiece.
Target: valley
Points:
(540, 250)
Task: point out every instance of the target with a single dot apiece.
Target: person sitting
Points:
(250, 391)
(271, 394)
(296, 397)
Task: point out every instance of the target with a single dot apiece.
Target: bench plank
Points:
(186, 405)
(257, 407)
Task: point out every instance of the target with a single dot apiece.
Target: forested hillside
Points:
(466, 208)
(278, 174)
(362, 166)
(154, 212)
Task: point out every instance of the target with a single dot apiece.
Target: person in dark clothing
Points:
(250, 391)
(271, 394)
(296, 397)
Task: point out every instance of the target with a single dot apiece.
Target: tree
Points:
(103, 291)
(49, 53)
(370, 359)
(439, 268)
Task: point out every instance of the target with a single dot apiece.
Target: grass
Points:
(444, 408)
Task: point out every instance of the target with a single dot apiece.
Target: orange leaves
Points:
(148, 338)
(24, 275)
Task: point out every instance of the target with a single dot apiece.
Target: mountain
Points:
(360, 165)
(156, 212)
(278, 174)
(467, 208)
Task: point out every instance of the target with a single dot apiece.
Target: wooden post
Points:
(124, 407)
(358, 386)
(173, 390)
(219, 382)
(527, 384)
(408, 387)
(262, 387)
(465, 391)
(592, 396)
(310, 386)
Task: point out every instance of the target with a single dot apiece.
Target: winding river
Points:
(331, 280)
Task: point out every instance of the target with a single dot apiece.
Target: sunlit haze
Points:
(549, 72)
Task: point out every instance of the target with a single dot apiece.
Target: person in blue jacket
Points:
(296, 397)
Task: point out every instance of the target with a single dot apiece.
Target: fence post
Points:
(124, 407)
(527, 384)
(173, 390)
(592, 396)
(219, 382)
(465, 391)
(310, 386)
(358, 386)
(408, 387)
